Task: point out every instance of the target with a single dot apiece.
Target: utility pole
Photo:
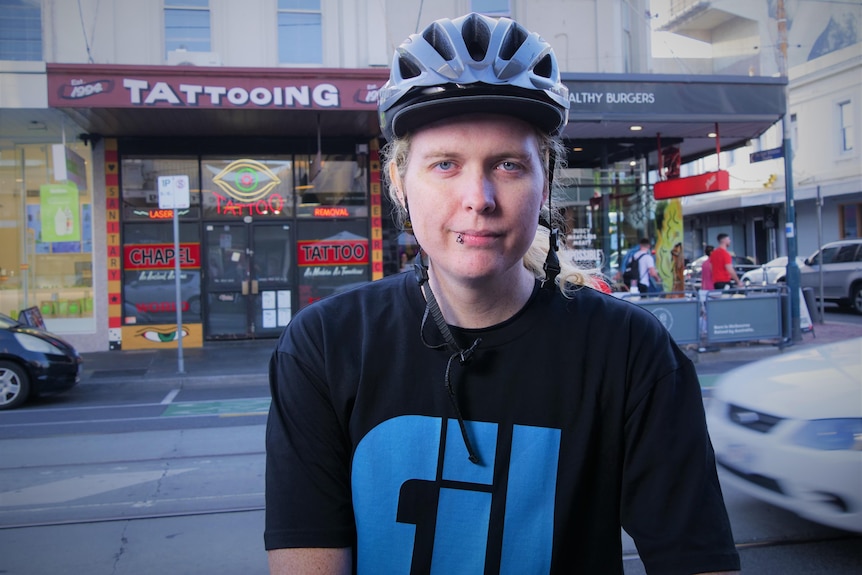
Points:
(793, 278)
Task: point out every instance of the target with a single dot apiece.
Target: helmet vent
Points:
(476, 36)
(513, 40)
(545, 67)
(407, 68)
(439, 40)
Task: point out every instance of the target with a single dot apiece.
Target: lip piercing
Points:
(460, 239)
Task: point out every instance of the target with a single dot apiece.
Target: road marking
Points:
(256, 406)
(170, 396)
(81, 486)
(707, 381)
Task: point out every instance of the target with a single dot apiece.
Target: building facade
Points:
(263, 112)
(822, 59)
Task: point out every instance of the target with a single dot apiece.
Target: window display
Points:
(46, 206)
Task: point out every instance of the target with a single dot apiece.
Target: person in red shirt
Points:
(722, 264)
(706, 280)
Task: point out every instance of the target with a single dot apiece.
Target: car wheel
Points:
(857, 298)
(14, 385)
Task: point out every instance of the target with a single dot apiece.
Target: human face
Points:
(481, 179)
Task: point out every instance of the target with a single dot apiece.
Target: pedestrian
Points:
(706, 281)
(646, 266)
(678, 270)
(489, 413)
(723, 271)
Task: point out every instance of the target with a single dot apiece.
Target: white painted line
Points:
(170, 396)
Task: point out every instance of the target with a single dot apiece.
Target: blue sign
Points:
(764, 155)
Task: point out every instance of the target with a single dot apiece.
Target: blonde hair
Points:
(571, 277)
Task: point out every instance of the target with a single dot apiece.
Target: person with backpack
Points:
(490, 412)
(641, 268)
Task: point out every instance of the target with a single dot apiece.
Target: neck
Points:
(475, 305)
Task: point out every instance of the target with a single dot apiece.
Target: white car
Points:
(788, 430)
(772, 272)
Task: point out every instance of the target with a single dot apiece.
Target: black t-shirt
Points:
(584, 413)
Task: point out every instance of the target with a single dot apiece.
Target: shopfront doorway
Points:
(247, 278)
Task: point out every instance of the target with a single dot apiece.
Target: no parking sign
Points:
(174, 192)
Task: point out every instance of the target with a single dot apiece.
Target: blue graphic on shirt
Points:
(407, 490)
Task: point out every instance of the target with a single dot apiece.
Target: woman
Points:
(486, 413)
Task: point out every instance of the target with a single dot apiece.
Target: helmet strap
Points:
(552, 262)
(464, 356)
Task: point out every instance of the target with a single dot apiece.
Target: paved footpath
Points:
(712, 364)
(237, 363)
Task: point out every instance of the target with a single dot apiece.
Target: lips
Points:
(476, 238)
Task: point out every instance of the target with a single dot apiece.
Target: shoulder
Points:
(355, 310)
(597, 310)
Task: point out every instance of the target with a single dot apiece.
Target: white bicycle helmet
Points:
(468, 65)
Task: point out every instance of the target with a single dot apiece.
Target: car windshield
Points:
(6, 322)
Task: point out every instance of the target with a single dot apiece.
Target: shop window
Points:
(149, 274)
(850, 216)
(47, 255)
(187, 25)
(495, 8)
(331, 186)
(139, 178)
(300, 32)
(260, 188)
(332, 257)
(20, 30)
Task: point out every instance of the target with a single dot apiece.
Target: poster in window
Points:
(60, 213)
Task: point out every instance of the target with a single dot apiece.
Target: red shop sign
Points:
(677, 187)
(160, 256)
(332, 253)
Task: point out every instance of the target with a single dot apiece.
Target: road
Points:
(832, 312)
(124, 481)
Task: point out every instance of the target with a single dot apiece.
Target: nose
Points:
(478, 192)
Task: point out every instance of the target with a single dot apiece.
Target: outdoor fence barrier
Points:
(708, 318)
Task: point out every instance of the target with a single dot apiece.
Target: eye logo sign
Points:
(246, 180)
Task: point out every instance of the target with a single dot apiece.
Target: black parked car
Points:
(33, 362)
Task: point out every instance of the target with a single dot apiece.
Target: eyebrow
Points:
(442, 153)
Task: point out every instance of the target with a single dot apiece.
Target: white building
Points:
(824, 67)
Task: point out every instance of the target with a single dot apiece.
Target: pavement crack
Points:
(124, 541)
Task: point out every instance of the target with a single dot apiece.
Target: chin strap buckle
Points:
(552, 262)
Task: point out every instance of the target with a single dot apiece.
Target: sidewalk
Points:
(217, 363)
(736, 354)
(246, 361)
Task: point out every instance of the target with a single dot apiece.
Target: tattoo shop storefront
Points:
(284, 193)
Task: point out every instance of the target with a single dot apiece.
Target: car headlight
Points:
(830, 434)
(38, 345)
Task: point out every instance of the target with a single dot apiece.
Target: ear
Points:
(395, 178)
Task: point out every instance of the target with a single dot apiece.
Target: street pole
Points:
(793, 279)
(820, 247)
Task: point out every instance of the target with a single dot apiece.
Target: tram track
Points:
(136, 461)
(138, 517)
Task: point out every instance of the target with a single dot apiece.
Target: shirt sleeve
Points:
(308, 499)
(671, 501)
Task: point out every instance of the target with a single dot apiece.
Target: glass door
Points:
(248, 280)
(271, 272)
(227, 281)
